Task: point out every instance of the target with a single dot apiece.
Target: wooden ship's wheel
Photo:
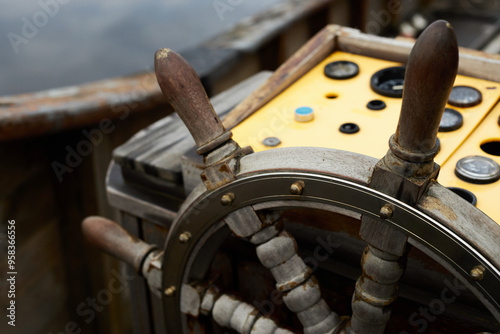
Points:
(277, 201)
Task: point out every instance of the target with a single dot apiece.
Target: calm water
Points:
(53, 43)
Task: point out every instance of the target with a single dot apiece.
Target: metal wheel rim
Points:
(206, 211)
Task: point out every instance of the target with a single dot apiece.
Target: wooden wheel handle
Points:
(430, 74)
(116, 241)
(184, 91)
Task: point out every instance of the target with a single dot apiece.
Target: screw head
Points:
(185, 237)
(170, 291)
(386, 211)
(271, 141)
(297, 188)
(227, 199)
(477, 273)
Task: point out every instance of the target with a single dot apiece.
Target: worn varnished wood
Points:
(67, 108)
(114, 240)
(430, 74)
(354, 41)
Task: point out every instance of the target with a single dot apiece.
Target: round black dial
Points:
(451, 120)
(465, 96)
(341, 70)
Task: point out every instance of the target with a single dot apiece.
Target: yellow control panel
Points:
(340, 107)
(484, 141)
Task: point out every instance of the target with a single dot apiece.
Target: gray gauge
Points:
(465, 96)
(389, 81)
(477, 169)
(451, 120)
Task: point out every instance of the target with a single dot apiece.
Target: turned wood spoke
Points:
(277, 251)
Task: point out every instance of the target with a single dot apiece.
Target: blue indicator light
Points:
(304, 114)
